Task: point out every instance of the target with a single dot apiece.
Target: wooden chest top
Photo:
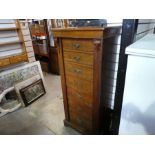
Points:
(85, 32)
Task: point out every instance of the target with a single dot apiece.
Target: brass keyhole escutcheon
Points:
(76, 45)
(80, 96)
(77, 71)
(77, 58)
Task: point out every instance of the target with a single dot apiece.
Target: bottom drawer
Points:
(4, 62)
(80, 109)
(80, 123)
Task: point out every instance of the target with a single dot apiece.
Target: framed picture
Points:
(32, 92)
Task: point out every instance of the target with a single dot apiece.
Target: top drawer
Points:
(86, 45)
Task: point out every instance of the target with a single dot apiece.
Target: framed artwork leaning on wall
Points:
(32, 92)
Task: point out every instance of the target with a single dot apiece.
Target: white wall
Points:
(28, 41)
(10, 36)
(145, 26)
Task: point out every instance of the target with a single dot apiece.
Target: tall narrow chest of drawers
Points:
(80, 52)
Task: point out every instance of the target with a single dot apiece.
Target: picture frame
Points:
(32, 92)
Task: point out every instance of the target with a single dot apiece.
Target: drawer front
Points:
(78, 71)
(80, 109)
(4, 62)
(78, 44)
(84, 99)
(82, 58)
(79, 85)
(18, 58)
(80, 122)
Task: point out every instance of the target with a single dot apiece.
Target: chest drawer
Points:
(78, 57)
(80, 122)
(18, 58)
(85, 99)
(4, 62)
(79, 85)
(80, 109)
(78, 44)
(78, 71)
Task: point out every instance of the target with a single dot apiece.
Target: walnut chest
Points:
(80, 52)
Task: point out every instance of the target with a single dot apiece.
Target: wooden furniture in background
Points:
(8, 40)
(56, 23)
(59, 23)
(80, 52)
(54, 60)
(41, 45)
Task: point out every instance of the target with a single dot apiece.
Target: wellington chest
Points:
(80, 52)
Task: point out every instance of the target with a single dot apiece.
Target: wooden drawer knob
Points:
(79, 96)
(79, 109)
(89, 104)
(77, 70)
(79, 121)
(76, 45)
(77, 58)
